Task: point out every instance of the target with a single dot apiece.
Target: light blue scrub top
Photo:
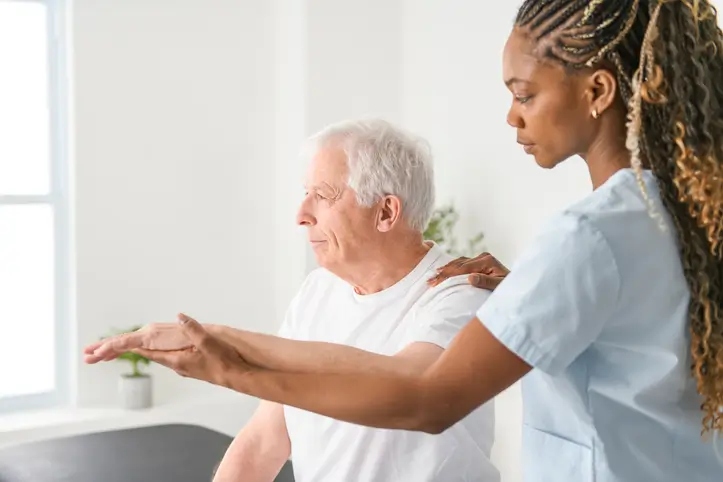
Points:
(598, 306)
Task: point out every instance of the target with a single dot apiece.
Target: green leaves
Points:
(441, 230)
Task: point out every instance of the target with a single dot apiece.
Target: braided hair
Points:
(667, 56)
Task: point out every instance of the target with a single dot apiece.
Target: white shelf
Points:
(226, 414)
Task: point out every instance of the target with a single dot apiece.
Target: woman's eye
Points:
(523, 99)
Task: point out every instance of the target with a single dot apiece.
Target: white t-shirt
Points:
(328, 309)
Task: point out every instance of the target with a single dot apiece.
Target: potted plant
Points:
(441, 230)
(135, 388)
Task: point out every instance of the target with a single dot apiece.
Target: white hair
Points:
(385, 160)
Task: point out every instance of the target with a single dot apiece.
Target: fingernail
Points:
(182, 319)
(475, 278)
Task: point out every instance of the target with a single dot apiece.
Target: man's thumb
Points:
(193, 329)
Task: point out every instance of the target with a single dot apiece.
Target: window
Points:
(34, 271)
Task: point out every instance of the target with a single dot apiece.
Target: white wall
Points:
(453, 94)
(174, 170)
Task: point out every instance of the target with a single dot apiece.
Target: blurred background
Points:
(149, 165)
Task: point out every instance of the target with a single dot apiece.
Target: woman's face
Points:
(551, 106)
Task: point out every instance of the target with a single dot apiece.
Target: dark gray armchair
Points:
(162, 453)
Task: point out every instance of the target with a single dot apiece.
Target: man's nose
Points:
(304, 217)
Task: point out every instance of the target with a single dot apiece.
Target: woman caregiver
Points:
(616, 309)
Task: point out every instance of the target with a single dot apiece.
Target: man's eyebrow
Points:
(324, 187)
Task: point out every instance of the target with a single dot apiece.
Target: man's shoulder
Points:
(455, 292)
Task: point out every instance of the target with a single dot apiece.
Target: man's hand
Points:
(156, 336)
(484, 271)
(208, 358)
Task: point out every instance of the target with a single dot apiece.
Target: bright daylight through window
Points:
(33, 214)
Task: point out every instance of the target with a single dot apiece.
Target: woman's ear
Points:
(603, 87)
(389, 213)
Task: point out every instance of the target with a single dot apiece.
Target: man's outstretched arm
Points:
(272, 352)
(281, 354)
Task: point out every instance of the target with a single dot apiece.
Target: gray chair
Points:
(161, 453)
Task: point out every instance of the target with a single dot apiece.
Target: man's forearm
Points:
(239, 464)
(259, 450)
(375, 400)
(280, 354)
(248, 463)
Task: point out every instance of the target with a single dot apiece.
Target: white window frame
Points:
(58, 198)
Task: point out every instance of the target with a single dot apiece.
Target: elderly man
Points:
(369, 196)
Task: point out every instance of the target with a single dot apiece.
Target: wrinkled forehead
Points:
(327, 166)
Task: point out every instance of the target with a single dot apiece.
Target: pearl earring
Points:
(595, 114)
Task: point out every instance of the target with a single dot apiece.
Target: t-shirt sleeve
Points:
(289, 328)
(286, 330)
(557, 297)
(451, 308)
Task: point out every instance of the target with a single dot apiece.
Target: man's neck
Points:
(385, 266)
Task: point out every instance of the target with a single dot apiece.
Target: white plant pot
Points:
(136, 392)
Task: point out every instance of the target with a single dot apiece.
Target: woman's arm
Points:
(474, 369)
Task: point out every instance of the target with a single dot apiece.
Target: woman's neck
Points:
(605, 159)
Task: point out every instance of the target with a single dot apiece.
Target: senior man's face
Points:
(339, 228)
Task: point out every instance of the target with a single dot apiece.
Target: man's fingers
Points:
(92, 359)
(119, 344)
(88, 350)
(106, 350)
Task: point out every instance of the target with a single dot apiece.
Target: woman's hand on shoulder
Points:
(484, 271)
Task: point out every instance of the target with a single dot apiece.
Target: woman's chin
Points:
(546, 161)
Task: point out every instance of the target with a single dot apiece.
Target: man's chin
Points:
(319, 254)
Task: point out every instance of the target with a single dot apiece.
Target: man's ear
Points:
(390, 212)
(602, 89)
